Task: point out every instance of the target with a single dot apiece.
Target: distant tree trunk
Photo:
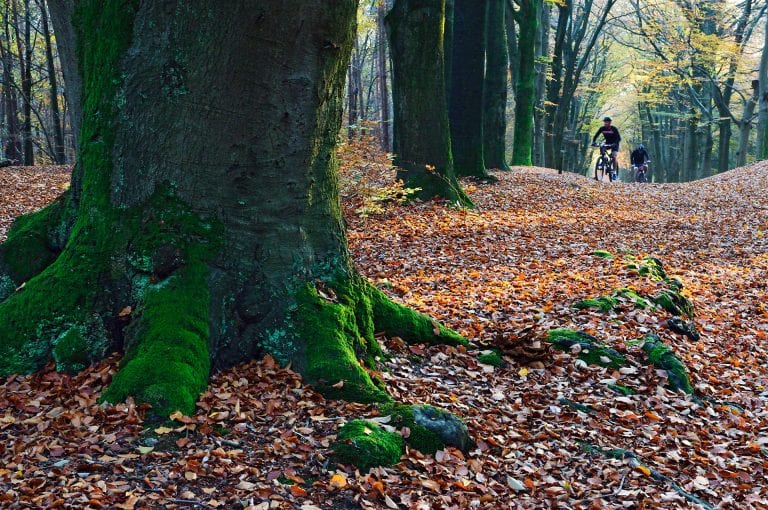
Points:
(466, 92)
(762, 123)
(64, 30)
(13, 145)
(496, 86)
(448, 45)
(381, 60)
(59, 148)
(24, 47)
(525, 100)
(745, 125)
(422, 142)
(542, 52)
(211, 213)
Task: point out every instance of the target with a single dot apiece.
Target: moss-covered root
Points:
(33, 243)
(413, 327)
(430, 428)
(588, 348)
(674, 303)
(167, 362)
(604, 303)
(365, 444)
(662, 357)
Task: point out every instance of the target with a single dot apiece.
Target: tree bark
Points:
(525, 100)
(422, 141)
(209, 229)
(13, 146)
(24, 47)
(496, 86)
(61, 19)
(542, 53)
(762, 118)
(381, 62)
(466, 89)
(59, 148)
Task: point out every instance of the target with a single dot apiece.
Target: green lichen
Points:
(71, 351)
(603, 254)
(365, 444)
(660, 356)
(590, 349)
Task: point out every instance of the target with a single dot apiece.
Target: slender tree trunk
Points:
(24, 47)
(208, 211)
(353, 94)
(496, 86)
(542, 52)
(762, 122)
(745, 125)
(422, 137)
(59, 148)
(525, 101)
(381, 61)
(466, 92)
(61, 14)
(13, 145)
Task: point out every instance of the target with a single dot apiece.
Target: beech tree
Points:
(496, 84)
(422, 138)
(466, 88)
(527, 18)
(203, 227)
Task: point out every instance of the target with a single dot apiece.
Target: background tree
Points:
(209, 229)
(527, 18)
(466, 89)
(495, 87)
(422, 141)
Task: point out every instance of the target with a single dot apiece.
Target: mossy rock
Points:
(71, 351)
(592, 352)
(492, 358)
(674, 303)
(365, 444)
(632, 296)
(431, 428)
(603, 254)
(660, 356)
(687, 328)
(604, 303)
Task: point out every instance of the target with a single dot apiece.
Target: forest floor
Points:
(503, 274)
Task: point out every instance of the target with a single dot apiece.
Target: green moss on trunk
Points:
(496, 84)
(525, 99)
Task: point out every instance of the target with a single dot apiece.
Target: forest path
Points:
(503, 274)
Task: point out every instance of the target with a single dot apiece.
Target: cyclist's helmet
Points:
(641, 146)
(607, 119)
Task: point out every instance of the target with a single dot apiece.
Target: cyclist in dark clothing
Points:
(640, 159)
(612, 137)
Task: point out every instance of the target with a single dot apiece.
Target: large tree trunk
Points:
(496, 85)
(525, 99)
(209, 229)
(422, 139)
(466, 89)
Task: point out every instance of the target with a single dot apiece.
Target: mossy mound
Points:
(687, 328)
(603, 254)
(662, 357)
(365, 444)
(492, 358)
(674, 303)
(590, 349)
(622, 390)
(631, 296)
(653, 269)
(431, 428)
(604, 303)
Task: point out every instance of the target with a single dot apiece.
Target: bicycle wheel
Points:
(597, 171)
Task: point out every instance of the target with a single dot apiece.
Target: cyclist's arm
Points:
(618, 135)
(599, 132)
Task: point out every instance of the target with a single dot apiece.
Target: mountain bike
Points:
(641, 172)
(605, 163)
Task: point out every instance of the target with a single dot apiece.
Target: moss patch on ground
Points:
(589, 349)
(365, 444)
(662, 357)
(492, 358)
